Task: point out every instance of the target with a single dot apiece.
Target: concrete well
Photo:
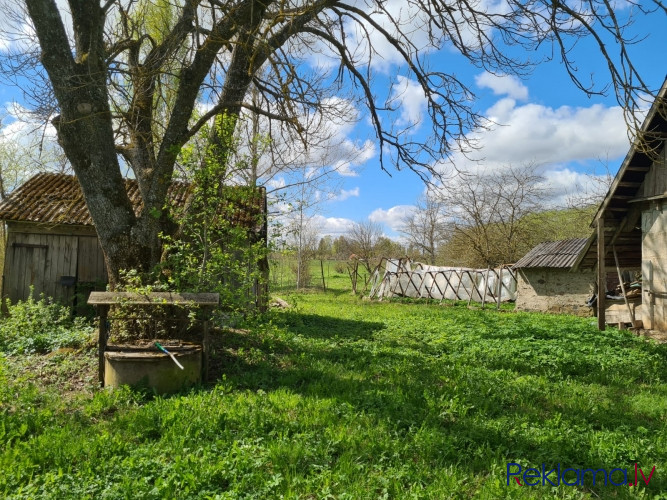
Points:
(149, 367)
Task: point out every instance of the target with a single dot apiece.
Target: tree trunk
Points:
(85, 132)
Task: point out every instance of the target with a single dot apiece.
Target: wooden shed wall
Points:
(42, 257)
(654, 265)
(654, 244)
(655, 181)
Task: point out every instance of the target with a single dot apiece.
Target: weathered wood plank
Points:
(617, 312)
(88, 260)
(39, 228)
(49, 284)
(9, 281)
(65, 248)
(602, 275)
(102, 341)
(153, 298)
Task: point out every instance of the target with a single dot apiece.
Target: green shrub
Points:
(38, 326)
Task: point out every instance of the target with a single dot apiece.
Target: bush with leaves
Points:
(215, 244)
(220, 246)
(39, 326)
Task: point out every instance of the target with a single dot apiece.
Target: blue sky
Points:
(545, 119)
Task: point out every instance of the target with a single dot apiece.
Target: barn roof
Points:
(52, 198)
(559, 254)
(620, 208)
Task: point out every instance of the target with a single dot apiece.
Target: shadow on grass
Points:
(284, 291)
(470, 408)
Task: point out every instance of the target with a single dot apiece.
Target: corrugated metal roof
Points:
(52, 198)
(560, 254)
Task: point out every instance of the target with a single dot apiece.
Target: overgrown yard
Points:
(343, 398)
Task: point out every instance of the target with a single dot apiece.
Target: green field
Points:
(339, 397)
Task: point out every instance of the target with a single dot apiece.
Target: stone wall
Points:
(554, 290)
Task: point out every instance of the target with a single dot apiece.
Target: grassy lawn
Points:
(344, 398)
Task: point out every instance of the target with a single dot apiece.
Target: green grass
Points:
(340, 397)
(283, 276)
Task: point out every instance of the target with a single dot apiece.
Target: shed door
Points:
(29, 264)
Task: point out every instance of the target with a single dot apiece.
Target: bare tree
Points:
(267, 155)
(587, 197)
(426, 228)
(24, 153)
(118, 86)
(490, 214)
(303, 238)
(362, 239)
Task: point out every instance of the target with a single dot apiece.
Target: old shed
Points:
(52, 245)
(631, 222)
(545, 281)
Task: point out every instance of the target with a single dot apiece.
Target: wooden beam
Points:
(656, 134)
(620, 280)
(649, 198)
(102, 338)
(154, 298)
(602, 275)
(41, 228)
(627, 247)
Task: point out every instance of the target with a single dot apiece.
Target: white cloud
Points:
(21, 127)
(334, 226)
(276, 183)
(564, 142)
(344, 194)
(409, 97)
(370, 47)
(34, 142)
(546, 136)
(566, 186)
(508, 85)
(329, 131)
(393, 217)
(354, 154)
(16, 29)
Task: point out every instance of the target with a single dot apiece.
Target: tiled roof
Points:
(560, 254)
(52, 198)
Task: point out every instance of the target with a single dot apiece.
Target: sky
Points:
(542, 119)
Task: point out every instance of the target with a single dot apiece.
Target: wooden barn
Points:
(631, 223)
(51, 243)
(546, 283)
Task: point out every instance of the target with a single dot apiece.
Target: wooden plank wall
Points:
(41, 259)
(90, 262)
(655, 181)
(654, 260)
(91, 274)
(654, 241)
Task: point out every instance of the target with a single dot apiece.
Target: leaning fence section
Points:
(403, 278)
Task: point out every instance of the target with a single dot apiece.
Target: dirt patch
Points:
(656, 335)
(68, 371)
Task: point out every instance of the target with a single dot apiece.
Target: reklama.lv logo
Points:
(574, 477)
